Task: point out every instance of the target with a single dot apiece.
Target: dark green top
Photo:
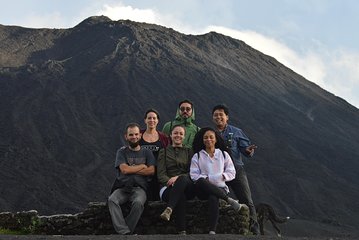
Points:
(173, 162)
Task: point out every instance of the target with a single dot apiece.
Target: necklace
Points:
(151, 137)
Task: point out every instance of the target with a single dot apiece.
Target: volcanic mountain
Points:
(67, 94)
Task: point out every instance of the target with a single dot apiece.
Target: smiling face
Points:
(177, 136)
(209, 139)
(220, 118)
(151, 120)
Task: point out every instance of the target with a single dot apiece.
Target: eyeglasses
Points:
(187, 109)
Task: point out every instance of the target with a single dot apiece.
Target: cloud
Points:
(308, 65)
(336, 71)
(343, 74)
(120, 11)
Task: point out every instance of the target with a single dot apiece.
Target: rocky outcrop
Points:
(95, 219)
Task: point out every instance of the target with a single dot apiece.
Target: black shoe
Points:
(254, 228)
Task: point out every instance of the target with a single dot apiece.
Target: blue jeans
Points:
(137, 197)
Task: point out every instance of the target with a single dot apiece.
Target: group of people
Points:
(178, 164)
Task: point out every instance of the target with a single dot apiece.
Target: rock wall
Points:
(95, 219)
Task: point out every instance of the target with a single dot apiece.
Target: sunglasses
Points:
(185, 109)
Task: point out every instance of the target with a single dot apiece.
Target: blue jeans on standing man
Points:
(241, 189)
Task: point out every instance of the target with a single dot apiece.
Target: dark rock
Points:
(95, 219)
(93, 21)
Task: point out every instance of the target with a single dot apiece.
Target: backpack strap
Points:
(170, 127)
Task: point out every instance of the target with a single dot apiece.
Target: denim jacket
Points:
(237, 141)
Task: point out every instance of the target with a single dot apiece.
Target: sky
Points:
(318, 39)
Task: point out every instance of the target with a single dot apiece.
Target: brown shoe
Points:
(166, 215)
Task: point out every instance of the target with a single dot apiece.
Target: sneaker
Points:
(243, 206)
(182, 233)
(166, 215)
(234, 204)
(212, 232)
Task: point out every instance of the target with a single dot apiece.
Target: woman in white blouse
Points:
(211, 167)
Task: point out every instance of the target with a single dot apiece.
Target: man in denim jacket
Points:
(239, 144)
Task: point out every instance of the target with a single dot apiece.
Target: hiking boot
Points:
(166, 215)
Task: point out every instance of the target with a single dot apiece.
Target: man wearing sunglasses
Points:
(185, 117)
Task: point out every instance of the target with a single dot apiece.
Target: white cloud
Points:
(336, 71)
(343, 74)
(120, 11)
(310, 65)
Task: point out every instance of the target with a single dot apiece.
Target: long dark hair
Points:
(198, 144)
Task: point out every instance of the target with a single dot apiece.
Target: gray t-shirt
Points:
(126, 155)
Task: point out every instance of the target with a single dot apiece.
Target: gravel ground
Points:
(164, 237)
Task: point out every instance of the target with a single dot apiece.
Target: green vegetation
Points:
(25, 230)
(4, 231)
(30, 229)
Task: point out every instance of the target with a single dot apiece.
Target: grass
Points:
(24, 230)
(4, 231)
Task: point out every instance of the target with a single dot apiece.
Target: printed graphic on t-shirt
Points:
(152, 148)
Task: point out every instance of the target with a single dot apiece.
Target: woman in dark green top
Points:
(173, 175)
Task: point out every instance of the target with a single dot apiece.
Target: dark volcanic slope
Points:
(66, 95)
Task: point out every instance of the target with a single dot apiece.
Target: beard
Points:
(134, 144)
